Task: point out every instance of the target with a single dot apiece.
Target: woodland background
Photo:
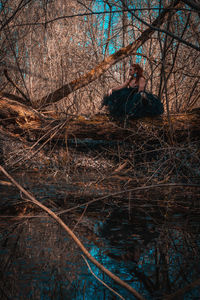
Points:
(46, 44)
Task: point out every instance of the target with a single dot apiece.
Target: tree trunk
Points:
(23, 120)
(20, 115)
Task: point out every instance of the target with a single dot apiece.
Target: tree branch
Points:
(14, 84)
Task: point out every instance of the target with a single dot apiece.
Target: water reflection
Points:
(155, 255)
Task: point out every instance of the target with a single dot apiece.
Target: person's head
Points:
(136, 69)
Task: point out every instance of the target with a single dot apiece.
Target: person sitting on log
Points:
(130, 100)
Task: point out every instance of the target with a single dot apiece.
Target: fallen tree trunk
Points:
(19, 114)
(21, 119)
(13, 97)
(100, 127)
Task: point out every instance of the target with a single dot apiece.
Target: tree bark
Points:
(25, 121)
(12, 97)
(87, 78)
(19, 114)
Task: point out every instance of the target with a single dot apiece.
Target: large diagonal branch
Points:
(101, 68)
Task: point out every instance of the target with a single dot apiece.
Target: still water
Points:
(154, 249)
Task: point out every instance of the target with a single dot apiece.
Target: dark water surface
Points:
(156, 251)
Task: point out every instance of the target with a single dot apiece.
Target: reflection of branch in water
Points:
(149, 285)
(107, 286)
(183, 290)
(165, 270)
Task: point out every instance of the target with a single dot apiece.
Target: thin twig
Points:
(80, 218)
(162, 185)
(14, 84)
